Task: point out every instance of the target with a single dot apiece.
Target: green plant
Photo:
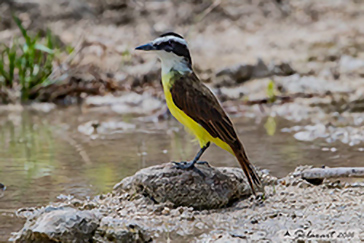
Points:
(271, 92)
(26, 64)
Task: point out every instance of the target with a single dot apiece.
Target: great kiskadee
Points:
(194, 105)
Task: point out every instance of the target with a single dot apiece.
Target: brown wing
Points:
(191, 96)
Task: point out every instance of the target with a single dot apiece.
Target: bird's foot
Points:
(190, 165)
(203, 163)
(184, 165)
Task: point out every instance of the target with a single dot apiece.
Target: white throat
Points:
(171, 61)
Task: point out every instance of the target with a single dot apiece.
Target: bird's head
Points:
(172, 50)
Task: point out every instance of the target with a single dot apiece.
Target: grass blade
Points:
(11, 56)
(27, 63)
(23, 31)
(43, 48)
(2, 68)
(50, 40)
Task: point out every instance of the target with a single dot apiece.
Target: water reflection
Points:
(43, 156)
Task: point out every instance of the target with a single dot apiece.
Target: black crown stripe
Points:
(171, 33)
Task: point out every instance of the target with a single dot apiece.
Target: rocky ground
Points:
(165, 204)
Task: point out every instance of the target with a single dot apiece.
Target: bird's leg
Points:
(191, 164)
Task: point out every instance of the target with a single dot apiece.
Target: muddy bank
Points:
(129, 215)
(308, 47)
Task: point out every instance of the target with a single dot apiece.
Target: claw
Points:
(203, 163)
(184, 165)
(189, 166)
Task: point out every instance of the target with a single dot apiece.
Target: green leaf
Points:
(50, 39)
(23, 31)
(43, 48)
(11, 56)
(35, 70)
(25, 48)
(69, 49)
(271, 92)
(2, 68)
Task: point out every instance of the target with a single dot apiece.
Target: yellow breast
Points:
(193, 127)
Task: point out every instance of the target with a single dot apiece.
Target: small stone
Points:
(254, 221)
(187, 216)
(181, 209)
(89, 206)
(166, 211)
(76, 202)
(303, 184)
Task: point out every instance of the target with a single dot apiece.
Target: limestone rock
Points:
(59, 225)
(164, 183)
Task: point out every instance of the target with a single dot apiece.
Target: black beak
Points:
(146, 47)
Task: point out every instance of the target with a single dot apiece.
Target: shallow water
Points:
(43, 155)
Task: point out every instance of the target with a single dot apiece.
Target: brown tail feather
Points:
(248, 169)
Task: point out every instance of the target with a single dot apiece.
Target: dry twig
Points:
(326, 173)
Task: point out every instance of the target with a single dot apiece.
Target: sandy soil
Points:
(331, 212)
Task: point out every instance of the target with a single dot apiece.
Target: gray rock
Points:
(164, 183)
(235, 74)
(60, 225)
(119, 230)
(244, 72)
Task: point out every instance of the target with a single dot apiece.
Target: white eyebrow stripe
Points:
(170, 37)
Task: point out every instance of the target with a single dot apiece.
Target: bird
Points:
(194, 105)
